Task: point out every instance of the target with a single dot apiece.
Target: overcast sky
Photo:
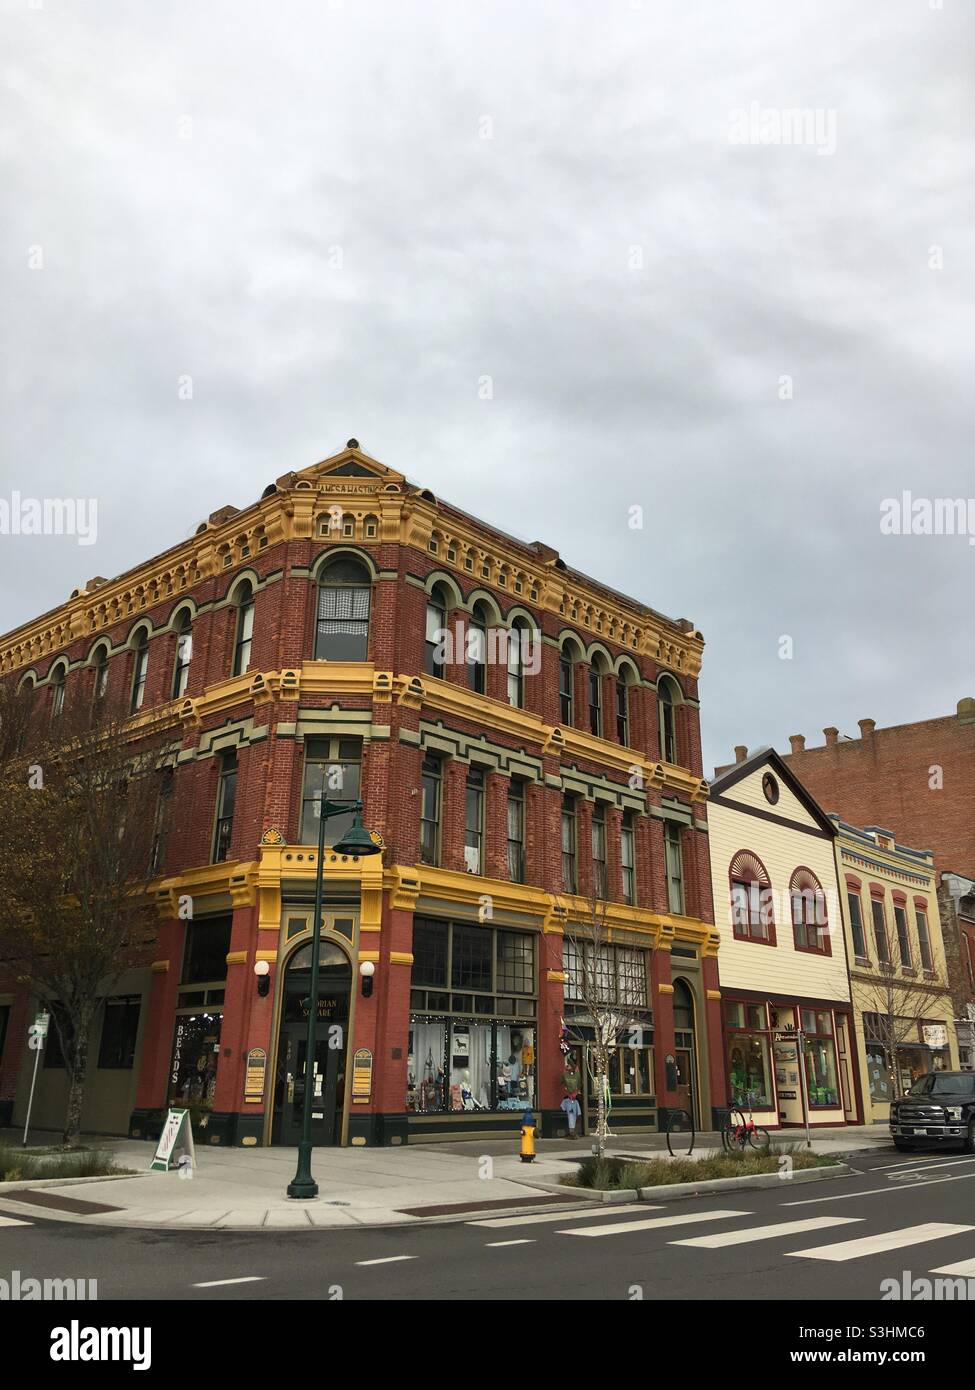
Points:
(339, 218)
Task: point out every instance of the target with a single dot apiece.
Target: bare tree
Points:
(78, 802)
(898, 1006)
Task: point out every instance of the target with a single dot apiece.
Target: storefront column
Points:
(240, 991)
(714, 1039)
(381, 1026)
(157, 1033)
(663, 1032)
(551, 1007)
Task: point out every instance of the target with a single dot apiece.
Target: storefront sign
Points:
(935, 1034)
(362, 1074)
(255, 1074)
(175, 1141)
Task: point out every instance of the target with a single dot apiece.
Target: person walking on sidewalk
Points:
(570, 1104)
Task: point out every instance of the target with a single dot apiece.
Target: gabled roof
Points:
(767, 757)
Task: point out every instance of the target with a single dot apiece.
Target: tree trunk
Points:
(77, 1074)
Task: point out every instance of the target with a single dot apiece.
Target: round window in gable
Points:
(771, 788)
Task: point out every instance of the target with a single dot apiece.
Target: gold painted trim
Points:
(399, 957)
(236, 957)
(370, 955)
(270, 956)
(665, 989)
(712, 994)
(159, 967)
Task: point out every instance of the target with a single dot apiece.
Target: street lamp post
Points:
(358, 842)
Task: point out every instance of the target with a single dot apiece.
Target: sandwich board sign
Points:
(175, 1142)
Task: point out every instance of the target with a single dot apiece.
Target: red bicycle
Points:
(739, 1132)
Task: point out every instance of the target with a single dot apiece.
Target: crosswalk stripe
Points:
(784, 1228)
(387, 1260)
(12, 1221)
(654, 1224)
(537, 1217)
(886, 1240)
(500, 1244)
(966, 1268)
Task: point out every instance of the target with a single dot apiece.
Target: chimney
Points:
(966, 708)
(741, 752)
(798, 742)
(832, 736)
(867, 727)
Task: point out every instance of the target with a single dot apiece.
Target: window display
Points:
(468, 1065)
(747, 1056)
(820, 1059)
(196, 1052)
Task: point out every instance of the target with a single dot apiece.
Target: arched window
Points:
(141, 670)
(810, 925)
(477, 649)
(565, 686)
(752, 911)
(668, 698)
(517, 641)
(101, 673)
(58, 678)
(596, 672)
(184, 654)
(435, 656)
(244, 630)
(625, 678)
(342, 630)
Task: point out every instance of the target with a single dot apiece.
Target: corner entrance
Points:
(322, 1086)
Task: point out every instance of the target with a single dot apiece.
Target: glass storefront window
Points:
(470, 1065)
(821, 1071)
(196, 1052)
(749, 1071)
(877, 1073)
(425, 1067)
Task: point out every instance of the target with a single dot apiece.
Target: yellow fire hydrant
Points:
(528, 1137)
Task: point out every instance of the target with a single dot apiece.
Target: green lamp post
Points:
(356, 841)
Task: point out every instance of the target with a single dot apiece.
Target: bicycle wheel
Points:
(733, 1134)
(681, 1122)
(760, 1139)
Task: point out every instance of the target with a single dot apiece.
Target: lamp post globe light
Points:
(356, 842)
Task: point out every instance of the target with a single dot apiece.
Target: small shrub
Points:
(615, 1174)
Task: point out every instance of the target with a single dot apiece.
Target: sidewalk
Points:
(246, 1189)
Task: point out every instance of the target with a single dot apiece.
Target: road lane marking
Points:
(874, 1191)
(915, 1166)
(386, 1260)
(786, 1228)
(499, 1244)
(654, 1224)
(218, 1283)
(503, 1221)
(886, 1240)
(12, 1221)
(964, 1267)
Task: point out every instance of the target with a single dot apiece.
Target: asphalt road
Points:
(609, 1253)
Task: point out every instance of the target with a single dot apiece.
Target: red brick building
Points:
(299, 643)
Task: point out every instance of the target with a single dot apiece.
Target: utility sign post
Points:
(36, 1037)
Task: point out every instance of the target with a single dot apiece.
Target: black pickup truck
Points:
(938, 1111)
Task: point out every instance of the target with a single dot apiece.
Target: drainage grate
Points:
(51, 1199)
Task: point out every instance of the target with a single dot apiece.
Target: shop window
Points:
(226, 800)
(205, 953)
(747, 1056)
(333, 766)
(344, 595)
(432, 780)
(516, 962)
(473, 820)
(196, 1053)
(471, 958)
(612, 975)
(516, 831)
(430, 945)
(628, 858)
(674, 862)
(820, 1058)
(120, 1028)
(878, 1072)
(924, 940)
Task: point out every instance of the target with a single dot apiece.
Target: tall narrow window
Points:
(674, 862)
(516, 666)
(436, 633)
(569, 845)
(903, 937)
(332, 767)
(342, 631)
(668, 697)
(184, 655)
(622, 712)
(595, 703)
(244, 630)
(516, 832)
(430, 811)
(856, 924)
(477, 653)
(473, 820)
(101, 673)
(57, 700)
(924, 940)
(628, 858)
(565, 690)
(226, 797)
(752, 913)
(599, 850)
(141, 671)
(157, 853)
(810, 926)
(880, 930)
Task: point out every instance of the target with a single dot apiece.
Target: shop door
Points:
(326, 1091)
(846, 1073)
(686, 1099)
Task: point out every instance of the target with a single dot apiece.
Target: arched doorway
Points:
(326, 1093)
(685, 1052)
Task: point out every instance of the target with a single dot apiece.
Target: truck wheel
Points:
(970, 1140)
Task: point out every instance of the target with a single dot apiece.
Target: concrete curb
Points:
(676, 1190)
(23, 1183)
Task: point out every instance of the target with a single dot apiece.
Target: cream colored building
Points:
(902, 1008)
(785, 989)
